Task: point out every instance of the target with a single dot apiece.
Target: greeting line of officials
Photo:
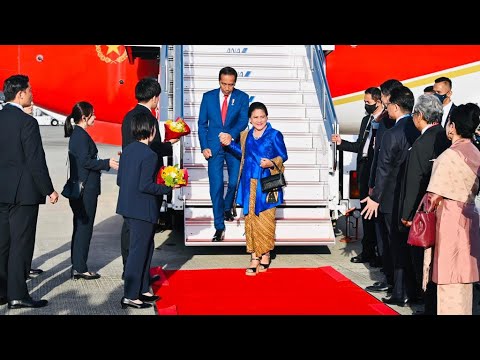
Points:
(401, 171)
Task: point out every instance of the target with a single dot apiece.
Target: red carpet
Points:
(286, 291)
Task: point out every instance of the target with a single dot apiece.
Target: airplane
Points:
(351, 69)
(106, 75)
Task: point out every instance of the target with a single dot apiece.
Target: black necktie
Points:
(367, 129)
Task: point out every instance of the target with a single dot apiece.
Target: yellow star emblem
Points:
(109, 57)
(113, 48)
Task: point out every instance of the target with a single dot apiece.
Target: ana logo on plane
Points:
(111, 54)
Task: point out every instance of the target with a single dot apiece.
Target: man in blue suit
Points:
(223, 114)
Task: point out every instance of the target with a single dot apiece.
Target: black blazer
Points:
(385, 124)
(84, 162)
(161, 148)
(138, 189)
(24, 176)
(391, 163)
(450, 113)
(424, 150)
(357, 146)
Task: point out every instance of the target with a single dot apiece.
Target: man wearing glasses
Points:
(389, 178)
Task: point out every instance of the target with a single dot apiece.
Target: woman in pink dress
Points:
(453, 187)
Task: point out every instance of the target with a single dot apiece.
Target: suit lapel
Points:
(230, 103)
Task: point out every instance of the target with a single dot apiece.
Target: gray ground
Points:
(102, 296)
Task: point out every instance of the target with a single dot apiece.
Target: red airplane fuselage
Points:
(61, 75)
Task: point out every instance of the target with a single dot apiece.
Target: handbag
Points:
(273, 182)
(73, 189)
(422, 231)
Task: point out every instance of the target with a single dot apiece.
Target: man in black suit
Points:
(388, 183)
(24, 184)
(147, 93)
(363, 146)
(443, 91)
(29, 110)
(384, 123)
(433, 140)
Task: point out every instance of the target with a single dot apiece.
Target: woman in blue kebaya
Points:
(260, 148)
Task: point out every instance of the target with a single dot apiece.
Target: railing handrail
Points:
(317, 66)
(164, 83)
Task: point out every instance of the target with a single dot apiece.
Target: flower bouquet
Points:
(176, 129)
(172, 175)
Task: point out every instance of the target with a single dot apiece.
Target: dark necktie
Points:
(368, 128)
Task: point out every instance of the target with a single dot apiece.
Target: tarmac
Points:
(102, 296)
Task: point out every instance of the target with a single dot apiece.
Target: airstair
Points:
(282, 78)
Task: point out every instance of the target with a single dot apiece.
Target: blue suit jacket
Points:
(138, 189)
(210, 118)
(84, 162)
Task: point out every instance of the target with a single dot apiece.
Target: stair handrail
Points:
(163, 80)
(330, 121)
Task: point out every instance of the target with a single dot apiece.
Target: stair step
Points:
(315, 173)
(295, 156)
(305, 192)
(287, 232)
(292, 110)
(291, 125)
(315, 213)
(218, 60)
(249, 85)
(243, 50)
(193, 96)
(250, 71)
(292, 140)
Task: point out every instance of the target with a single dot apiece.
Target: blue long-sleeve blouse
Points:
(269, 146)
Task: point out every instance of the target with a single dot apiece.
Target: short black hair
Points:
(428, 89)
(387, 86)
(146, 89)
(374, 92)
(227, 70)
(403, 97)
(444, 79)
(143, 125)
(13, 85)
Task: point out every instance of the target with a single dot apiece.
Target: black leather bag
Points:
(73, 190)
(273, 182)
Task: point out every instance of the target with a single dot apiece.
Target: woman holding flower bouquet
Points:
(137, 203)
(260, 149)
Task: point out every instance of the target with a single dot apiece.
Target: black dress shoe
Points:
(148, 298)
(378, 287)
(127, 302)
(35, 271)
(26, 303)
(360, 259)
(3, 300)
(229, 216)
(396, 301)
(87, 276)
(219, 235)
(154, 278)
